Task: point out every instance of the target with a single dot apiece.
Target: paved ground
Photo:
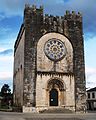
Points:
(27, 116)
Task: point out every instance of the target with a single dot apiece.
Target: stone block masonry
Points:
(34, 71)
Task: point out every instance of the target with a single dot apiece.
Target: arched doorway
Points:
(55, 92)
(53, 97)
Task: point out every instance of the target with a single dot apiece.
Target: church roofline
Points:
(19, 37)
(92, 89)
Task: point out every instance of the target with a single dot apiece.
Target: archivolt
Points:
(55, 83)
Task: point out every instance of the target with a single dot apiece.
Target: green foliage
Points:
(6, 95)
(5, 90)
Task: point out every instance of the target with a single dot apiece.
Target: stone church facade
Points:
(49, 69)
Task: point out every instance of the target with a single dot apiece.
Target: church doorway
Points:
(55, 92)
(53, 97)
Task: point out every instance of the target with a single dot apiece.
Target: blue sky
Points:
(11, 18)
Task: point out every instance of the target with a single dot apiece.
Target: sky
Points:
(11, 18)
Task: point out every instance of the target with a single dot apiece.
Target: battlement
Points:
(61, 24)
(68, 15)
(73, 13)
(73, 16)
(33, 8)
(42, 24)
(53, 19)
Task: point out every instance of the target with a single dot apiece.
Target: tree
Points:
(5, 90)
(6, 94)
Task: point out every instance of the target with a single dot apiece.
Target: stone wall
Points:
(36, 25)
(19, 72)
(75, 34)
(33, 21)
(44, 64)
(42, 94)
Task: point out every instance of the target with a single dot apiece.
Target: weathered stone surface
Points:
(33, 69)
(44, 64)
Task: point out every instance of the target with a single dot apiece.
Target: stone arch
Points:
(58, 85)
(55, 83)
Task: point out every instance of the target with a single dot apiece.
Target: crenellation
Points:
(34, 7)
(54, 23)
(58, 23)
(33, 10)
(41, 33)
(41, 7)
(27, 6)
(73, 16)
(67, 12)
(73, 12)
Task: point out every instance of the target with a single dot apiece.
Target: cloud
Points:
(6, 71)
(6, 52)
(15, 7)
(90, 72)
(6, 68)
(90, 50)
(2, 16)
(4, 30)
(5, 58)
(90, 60)
(11, 7)
(90, 77)
(7, 39)
(59, 1)
(6, 75)
(6, 65)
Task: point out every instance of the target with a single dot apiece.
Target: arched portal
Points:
(53, 99)
(55, 83)
(55, 91)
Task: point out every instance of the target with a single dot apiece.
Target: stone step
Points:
(56, 110)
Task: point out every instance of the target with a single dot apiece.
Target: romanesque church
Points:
(49, 68)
